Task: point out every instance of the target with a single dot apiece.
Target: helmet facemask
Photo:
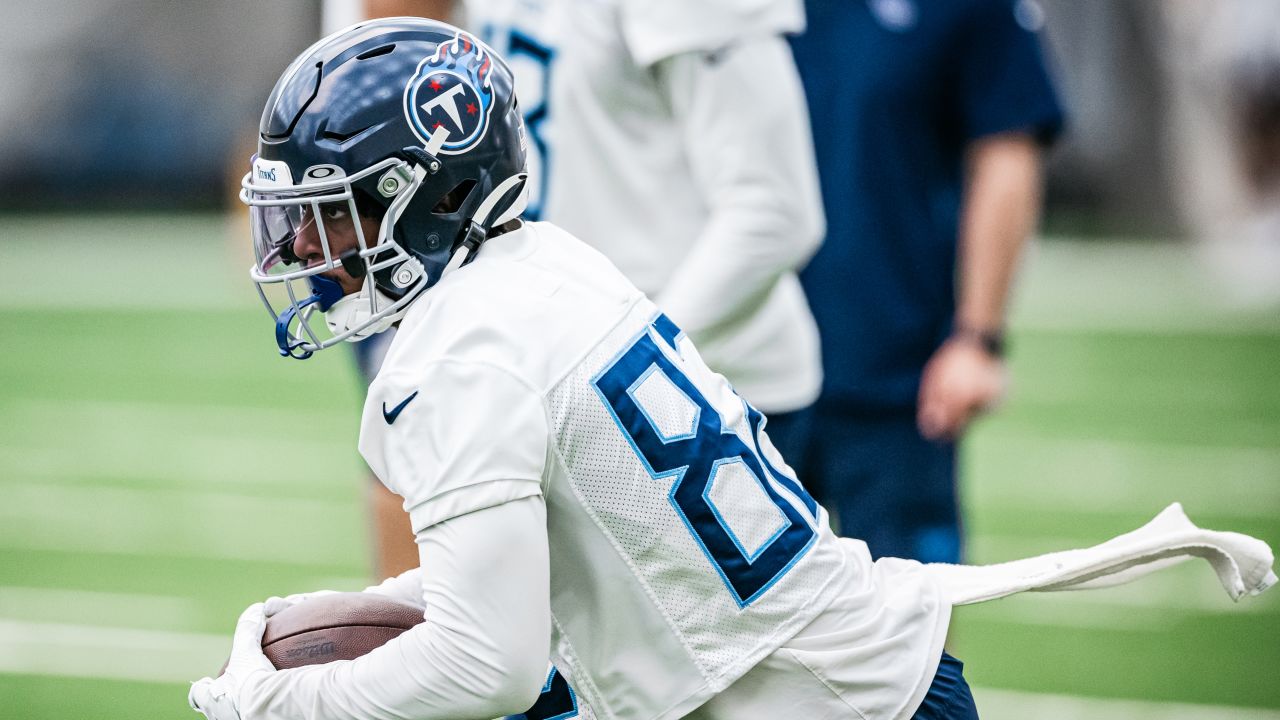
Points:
(327, 215)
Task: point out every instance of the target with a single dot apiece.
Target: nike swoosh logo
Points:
(390, 416)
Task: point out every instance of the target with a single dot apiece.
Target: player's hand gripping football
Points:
(219, 698)
(961, 380)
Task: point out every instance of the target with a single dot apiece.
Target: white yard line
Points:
(1093, 474)
(236, 419)
(1136, 287)
(1106, 476)
(206, 270)
(133, 610)
(1017, 705)
(209, 447)
(1133, 286)
(90, 651)
(181, 523)
(87, 651)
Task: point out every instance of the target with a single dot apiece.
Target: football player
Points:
(581, 486)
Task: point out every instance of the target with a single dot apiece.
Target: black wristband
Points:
(991, 341)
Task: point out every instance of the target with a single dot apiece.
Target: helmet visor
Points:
(307, 234)
(274, 231)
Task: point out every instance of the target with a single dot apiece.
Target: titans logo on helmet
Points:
(450, 92)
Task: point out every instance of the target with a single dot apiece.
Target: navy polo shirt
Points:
(897, 89)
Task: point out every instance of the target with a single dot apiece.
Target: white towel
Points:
(1243, 563)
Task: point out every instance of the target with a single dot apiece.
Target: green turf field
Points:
(161, 468)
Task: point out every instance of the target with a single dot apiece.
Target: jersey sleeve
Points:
(1003, 82)
(744, 125)
(482, 650)
(658, 29)
(474, 436)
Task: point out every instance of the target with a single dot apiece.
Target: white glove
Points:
(219, 699)
(274, 605)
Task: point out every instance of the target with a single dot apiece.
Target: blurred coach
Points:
(929, 119)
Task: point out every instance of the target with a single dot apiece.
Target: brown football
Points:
(342, 626)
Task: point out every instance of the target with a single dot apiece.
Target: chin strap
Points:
(289, 344)
(471, 240)
(325, 294)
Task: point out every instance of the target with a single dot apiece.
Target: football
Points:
(341, 626)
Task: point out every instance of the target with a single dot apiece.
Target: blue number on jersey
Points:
(557, 701)
(536, 115)
(516, 45)
(695, 461)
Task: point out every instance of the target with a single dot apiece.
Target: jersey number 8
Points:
(730, 497)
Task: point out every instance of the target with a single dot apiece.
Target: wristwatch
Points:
(991, 341)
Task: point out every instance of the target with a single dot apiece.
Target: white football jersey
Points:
(682, 549)
(613, 162)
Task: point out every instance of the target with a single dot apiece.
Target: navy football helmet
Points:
(406, 124)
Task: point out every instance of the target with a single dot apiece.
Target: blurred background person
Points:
(1223, 66)
(929, 119)
(646, 122)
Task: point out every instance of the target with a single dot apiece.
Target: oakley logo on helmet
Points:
(450, 92)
